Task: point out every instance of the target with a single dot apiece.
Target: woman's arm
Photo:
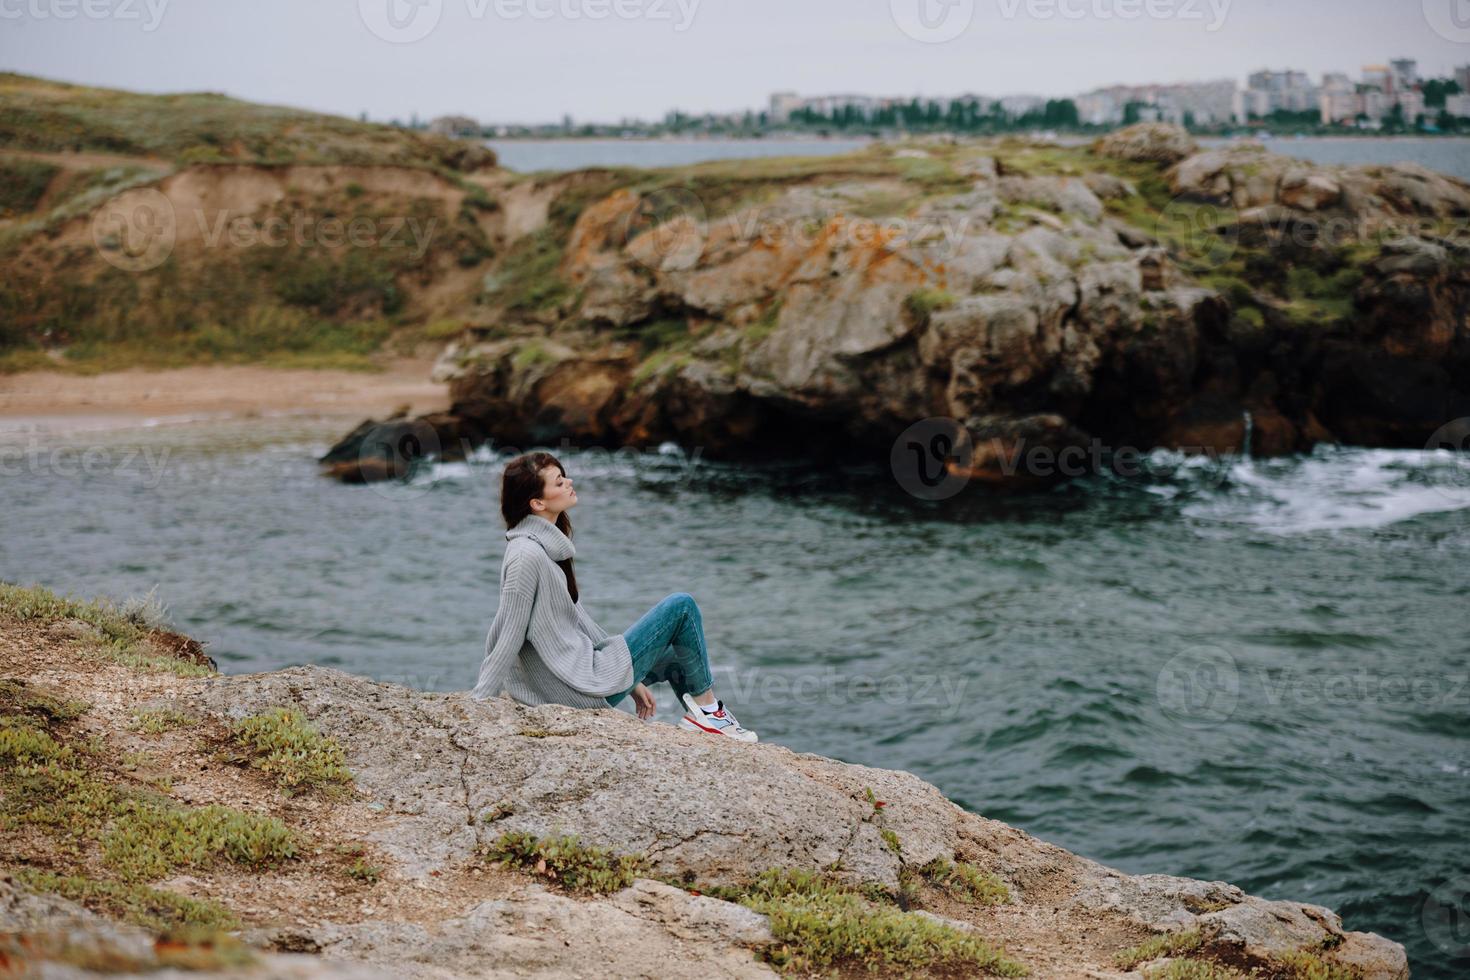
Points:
(508, 631)
(597, 633)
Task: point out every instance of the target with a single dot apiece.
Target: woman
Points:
(543, 647)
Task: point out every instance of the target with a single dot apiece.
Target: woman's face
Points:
(557, 494)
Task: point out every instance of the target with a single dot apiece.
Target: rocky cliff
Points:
(308, 823)
(1136, 293)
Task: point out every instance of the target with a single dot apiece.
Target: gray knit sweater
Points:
(542, 647)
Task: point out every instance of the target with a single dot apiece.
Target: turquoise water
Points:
(1254, 671)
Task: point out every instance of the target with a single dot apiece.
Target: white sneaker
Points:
(721, 722)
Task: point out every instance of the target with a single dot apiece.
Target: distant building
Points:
(1458, 105)
(1203, 102)
(1462, 78)
(454, 126)
(1340, 106)
(1412, 102)
(1379, 77)
(783, 104)
(1270, 91)
(1404, 73)
(1098, 109)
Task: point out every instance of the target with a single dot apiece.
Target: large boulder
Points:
(1147, 143)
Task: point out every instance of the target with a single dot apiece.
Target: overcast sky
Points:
(603, 60)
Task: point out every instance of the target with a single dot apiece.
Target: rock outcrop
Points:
(439, 779)
(1138, 294)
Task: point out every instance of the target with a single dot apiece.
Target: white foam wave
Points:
(1338, 489)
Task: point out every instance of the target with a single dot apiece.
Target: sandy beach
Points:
(54, 401)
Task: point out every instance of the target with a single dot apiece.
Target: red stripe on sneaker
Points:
(712, 731)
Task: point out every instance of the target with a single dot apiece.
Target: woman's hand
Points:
(643, 701)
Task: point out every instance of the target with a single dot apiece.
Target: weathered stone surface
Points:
(797, 323)
(534, 932)
(1147, 142)
(46, 936)
(442, 764)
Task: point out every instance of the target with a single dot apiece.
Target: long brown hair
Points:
(519, 484)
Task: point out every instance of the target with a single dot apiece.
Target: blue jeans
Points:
(667, 644)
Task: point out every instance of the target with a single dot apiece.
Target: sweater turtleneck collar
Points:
(544, 533)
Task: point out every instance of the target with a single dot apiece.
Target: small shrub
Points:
(967, 883)
(146, 611)
(362, 871)
(1192, 969)
(148, 840)
(569, 863)
(1307, 965)
(288, 747)
(820, 925)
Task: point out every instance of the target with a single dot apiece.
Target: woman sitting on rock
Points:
(543, 647)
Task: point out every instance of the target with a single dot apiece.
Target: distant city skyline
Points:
(531, 61)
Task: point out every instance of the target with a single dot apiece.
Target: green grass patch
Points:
(149, 840)
(156, 721)
(1192, 969)
(966, 883)
(62, 787)
(122, 634)
(159, 911)
(37, 114)
(1165, 944)
(921, 303)
(19, 698)
(23, 183)
(820, 926)
(285, 745)
(1307, 965)
(527, 279)
(567, 862)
